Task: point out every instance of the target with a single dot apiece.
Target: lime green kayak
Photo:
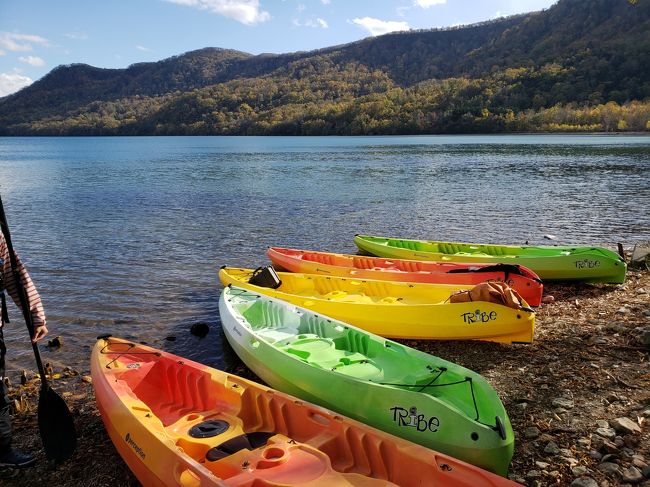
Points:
(550, 263)
(392, 387)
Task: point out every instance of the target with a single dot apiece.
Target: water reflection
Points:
(126, 235)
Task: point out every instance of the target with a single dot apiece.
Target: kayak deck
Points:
(320, 342)
(368, 377)
(572, 263)
(177, 422)
(520, 278)
(396, 309)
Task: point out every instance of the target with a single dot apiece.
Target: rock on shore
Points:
(578, 397)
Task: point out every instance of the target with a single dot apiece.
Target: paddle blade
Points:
(56, 426)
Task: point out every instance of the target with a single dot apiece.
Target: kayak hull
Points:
(550, 263)
(179, 423)
(523, 280)
(396, 309)
(354, 372)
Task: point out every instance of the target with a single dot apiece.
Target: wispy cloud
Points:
(429, 3)
(378, 27)
(77, 36)
(318, 23)
(401, 11)
(11, 41)
(325, 2)
(12, 82)
(32, 60)
(142, 48)
(247, 12)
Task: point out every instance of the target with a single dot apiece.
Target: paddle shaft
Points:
(22, 294)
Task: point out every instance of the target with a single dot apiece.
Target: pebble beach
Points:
(578, 397)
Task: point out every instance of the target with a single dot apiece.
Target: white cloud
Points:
(245, 11)
(20, 42)
(77, 36)
(301, 7)
(12, 82)
(325, 2)
(429, 3)
(32, 60)
(318, 23)
(378, 27)
(401, 11)
(142, 48)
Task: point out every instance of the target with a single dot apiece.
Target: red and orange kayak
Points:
(523, 280)
(179, 423)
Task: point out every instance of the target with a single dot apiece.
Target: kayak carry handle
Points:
(500, 427)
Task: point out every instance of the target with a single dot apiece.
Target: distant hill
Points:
(580, 65)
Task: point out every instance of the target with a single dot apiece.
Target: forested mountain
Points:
(580, 65)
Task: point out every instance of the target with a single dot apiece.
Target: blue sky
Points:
(38, 35)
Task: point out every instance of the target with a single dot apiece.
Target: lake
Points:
(126, 235)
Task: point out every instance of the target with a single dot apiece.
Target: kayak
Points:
(550, 263)
(396, 309)
(179, 423)
(523, 280)
(402, 391)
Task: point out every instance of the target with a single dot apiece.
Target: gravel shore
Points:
(578, 397)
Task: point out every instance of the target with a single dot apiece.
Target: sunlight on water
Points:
(126, 235)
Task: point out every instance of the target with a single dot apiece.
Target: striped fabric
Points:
(38, 314)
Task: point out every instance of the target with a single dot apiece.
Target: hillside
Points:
(580, 65)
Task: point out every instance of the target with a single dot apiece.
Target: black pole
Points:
(55, 422)
(22, 294)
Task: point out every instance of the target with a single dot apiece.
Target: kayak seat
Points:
(335, 295)
(362, 369)
(390, 300)
(352, 296)
(274, 335)
(248, 441)
(321, 352)
(309, 347)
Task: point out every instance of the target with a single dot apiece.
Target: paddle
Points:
(55, 422)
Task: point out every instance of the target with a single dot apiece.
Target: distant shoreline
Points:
(450, 134)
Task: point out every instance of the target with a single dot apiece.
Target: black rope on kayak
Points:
(471, 388)
(507, 269)
(442, 370)
(431, 384)
(248, 274)
(241, 292)
(448, 383)
(493, 427)
(123, 352)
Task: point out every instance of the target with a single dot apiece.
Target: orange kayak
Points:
(177, 422)
(520, 278)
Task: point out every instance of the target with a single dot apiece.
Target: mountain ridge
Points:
(576, 52)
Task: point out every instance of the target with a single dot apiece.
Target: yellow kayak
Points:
(396, 309)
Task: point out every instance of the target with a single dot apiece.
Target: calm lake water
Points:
(126, 235)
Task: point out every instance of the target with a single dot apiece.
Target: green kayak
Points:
(550, 263)
(402, 391)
